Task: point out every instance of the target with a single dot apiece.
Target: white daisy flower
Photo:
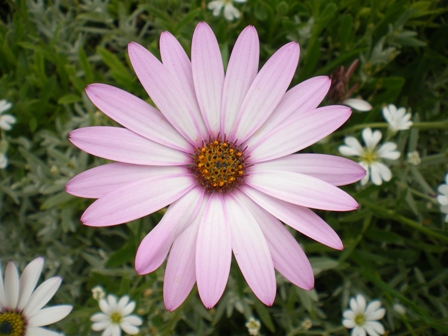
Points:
(362, 319)
(230, 12)
(3, 161)
(21, 307)
(370, 156)
(116, 316)
(253, 326)
(442, 198)
(6, 120)
(398, 120)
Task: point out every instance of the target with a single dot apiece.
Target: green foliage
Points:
(395, 243)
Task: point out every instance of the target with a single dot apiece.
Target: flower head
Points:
(414, 158)
(98, 293)
(398, 120)
(371, 156)
(220, 150)
(21, 307)
(6, 120)
(230, 12)
(253, 326)
(364, 319)
(116, 316)
(442, 198)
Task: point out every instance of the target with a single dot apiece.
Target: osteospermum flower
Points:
(442, 198)
(220, 151)
(116, 316)
(21, 307)
(397, 119)
(362, 319)
(371, 156)
(230, 12)
(6, 120)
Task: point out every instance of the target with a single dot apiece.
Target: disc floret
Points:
(12, 323)
(219, 165)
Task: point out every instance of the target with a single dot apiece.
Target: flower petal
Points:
(180, 272)
(266, 91)
(251, 250)
(241, 71)
(120, 144)
(300, 189)
(133, 319)
(165, 92)
(28, 281)
(11, 286)
(287, 255)
(37, 331)
(303, 97)
(2, 288)
(99, 181)
(136, 115)
(371, 139)
(213, 251)
(155, 246)
(175, 59)
(208, 75)
(137, 199)
(357, 104)
(42, 295)
(329, 168)
(49, 315)
(371, 310)
(299, 218)
(129, 329)
(298, 132)
(387, 151)
(349, 324)
(377, 327)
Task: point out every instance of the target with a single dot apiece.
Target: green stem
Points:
(419, 125)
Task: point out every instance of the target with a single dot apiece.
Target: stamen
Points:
(12, 324)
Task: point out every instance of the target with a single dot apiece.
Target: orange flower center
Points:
(219, 166)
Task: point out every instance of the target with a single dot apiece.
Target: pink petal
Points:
(137, 199)
(298, 133)
(300, 189)
(155, 246)
(287, 255)
(241, 71)
(165, 92)
(300, 218)
(177, 62)
(180, 273)
(251, 250)
(331, 169)
(99, 181)
(213, 251)
(266, 91)
(120, 144)
(302, 98)
(136, 115)
(208, 75)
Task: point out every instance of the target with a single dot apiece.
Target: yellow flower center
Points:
(360, 319)
(12, 324)
(116, 318)
(219, 166)
(369, 156)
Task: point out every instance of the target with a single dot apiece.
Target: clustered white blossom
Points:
(414, 158)
(442, 198)
(370, 156)
(253, 326)
(363, 319)
(230, 12)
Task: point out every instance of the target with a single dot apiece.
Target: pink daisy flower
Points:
(220, 151)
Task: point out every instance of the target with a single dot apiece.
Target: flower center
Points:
(369, 156)
(218, 165)
(116, 317)
(12, 324)
(360, 319)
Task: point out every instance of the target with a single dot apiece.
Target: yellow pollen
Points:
(116, 317)
(219, 166)
(12, 324)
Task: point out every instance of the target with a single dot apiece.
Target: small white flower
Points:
(371, 156)
(442, 198)
(6, 120)
(3, 161)
(116, 316)
(364, 319)
(253, 326)
(414, 158)
(98, 293)
(398, 120)
(230, 12)
(357, 104)
(21, 307)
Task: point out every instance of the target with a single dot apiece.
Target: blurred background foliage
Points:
(395, 243)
